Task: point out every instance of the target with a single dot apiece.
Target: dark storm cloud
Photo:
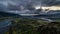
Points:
(6, 5)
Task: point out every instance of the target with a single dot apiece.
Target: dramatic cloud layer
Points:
(22, 6)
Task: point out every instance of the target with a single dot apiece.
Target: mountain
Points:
(4, 14)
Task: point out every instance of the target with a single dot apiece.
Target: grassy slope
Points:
(27, 26)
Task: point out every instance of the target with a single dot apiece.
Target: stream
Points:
(4, 25)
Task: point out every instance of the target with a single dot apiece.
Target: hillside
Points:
(4, 14)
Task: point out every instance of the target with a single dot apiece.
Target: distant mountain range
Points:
(49, 16)
(4, 14)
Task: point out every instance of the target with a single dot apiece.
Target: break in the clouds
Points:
(23, 6)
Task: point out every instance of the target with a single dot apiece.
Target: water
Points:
(4, 26)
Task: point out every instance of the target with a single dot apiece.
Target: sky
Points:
(9, 5)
